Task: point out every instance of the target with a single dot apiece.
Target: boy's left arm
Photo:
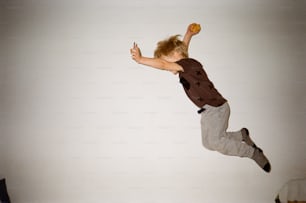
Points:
(190, 32)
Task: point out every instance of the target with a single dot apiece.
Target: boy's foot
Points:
(261, 160)
(246, 137)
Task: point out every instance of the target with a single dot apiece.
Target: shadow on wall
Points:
(4, 197)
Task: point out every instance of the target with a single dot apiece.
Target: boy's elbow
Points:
(163, 65)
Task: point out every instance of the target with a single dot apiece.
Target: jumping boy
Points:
(172, 55)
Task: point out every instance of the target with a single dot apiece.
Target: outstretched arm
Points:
(154, 62)
(190, 32)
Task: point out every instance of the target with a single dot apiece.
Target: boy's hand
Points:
(193, 29)
(135, 53)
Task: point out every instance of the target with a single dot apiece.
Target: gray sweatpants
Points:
(214, 123)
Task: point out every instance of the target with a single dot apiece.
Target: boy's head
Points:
(170, 47)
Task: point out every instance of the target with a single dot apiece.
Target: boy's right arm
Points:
(160, 64)
(154, 62)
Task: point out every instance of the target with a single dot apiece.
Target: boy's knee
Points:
(210, 145)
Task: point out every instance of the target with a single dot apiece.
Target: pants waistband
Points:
(201, 110)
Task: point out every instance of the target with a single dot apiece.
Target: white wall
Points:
(81, 122)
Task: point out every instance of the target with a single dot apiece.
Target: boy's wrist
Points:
(140, 59)
(188, 33)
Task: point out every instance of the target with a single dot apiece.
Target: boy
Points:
(172, 55)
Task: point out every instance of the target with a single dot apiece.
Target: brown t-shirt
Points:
(197, 86)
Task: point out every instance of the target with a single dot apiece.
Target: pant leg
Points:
(234, 135)
(214, 124)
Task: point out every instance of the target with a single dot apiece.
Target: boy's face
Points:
(173, 57)
(168, 58)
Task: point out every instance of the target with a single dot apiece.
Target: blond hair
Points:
(168, 46)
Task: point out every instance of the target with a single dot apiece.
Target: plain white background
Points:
(81, 122)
